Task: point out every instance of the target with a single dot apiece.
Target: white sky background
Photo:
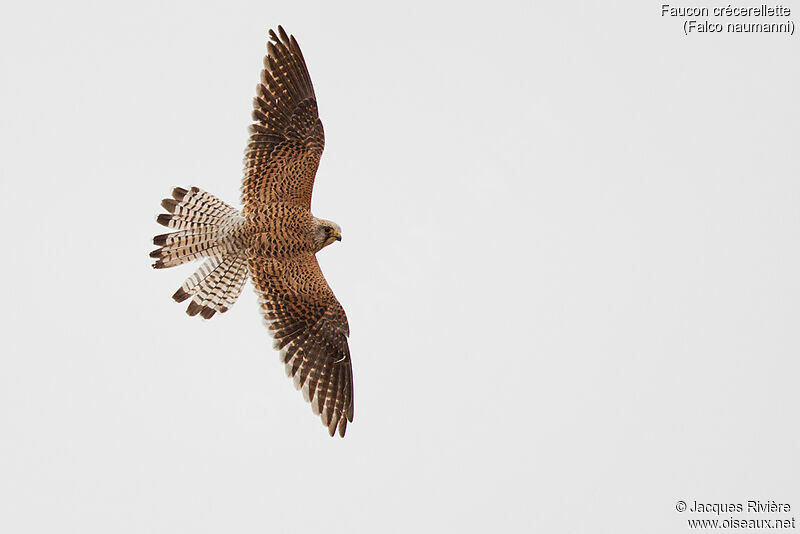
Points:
(570, 265)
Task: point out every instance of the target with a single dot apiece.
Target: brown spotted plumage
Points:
(274, 239)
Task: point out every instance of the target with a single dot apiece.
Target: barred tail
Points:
(206, 227)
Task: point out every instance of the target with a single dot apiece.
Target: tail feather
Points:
(215, 286)
(224, 287)
(188, 248)
(206, 227)
(180, 222)
(191, 233)
(188, 287)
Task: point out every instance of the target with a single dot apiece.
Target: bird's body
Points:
(273, 240)
(281, 230)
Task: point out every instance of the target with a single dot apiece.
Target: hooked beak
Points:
(338, 237)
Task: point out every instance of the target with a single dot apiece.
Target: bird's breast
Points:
(280, 230)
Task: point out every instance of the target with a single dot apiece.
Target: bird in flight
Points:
(273, 240)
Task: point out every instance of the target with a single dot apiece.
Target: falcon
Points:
(273, 240)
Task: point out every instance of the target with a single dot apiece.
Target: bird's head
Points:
(325, 233)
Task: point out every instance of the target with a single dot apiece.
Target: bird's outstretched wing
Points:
(286, 139)
(310, 329)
